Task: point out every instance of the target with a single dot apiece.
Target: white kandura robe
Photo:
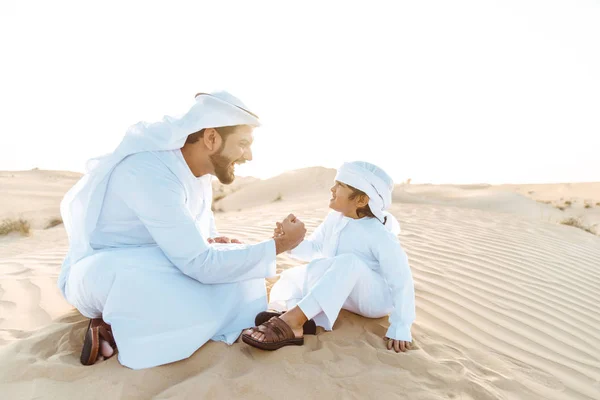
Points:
(356, 264)
(153, 277)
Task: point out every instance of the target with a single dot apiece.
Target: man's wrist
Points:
(280, 245)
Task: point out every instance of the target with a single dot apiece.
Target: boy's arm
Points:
(396, 271)
(310, 248)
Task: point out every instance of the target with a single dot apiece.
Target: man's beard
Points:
(223, 168)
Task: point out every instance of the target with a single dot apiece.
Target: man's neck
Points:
(199, 167)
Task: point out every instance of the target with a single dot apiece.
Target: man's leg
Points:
(157, 314)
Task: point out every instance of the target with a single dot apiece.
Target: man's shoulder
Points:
(144, 164)
(144, 160)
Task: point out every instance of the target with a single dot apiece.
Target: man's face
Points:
(234, 150)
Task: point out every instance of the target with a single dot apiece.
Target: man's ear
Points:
(212, 139)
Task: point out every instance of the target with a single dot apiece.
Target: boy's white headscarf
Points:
(80, 208)
(376, 184)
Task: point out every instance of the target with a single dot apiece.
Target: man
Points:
(145, 262)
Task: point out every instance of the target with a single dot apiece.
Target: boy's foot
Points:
(309, 327)
(273, 334)
(277, 332)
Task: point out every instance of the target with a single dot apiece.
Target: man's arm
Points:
(157, 197)
(213, 226)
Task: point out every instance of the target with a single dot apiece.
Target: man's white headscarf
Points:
(81, 206)
(376, 184)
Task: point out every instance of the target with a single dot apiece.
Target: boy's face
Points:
(340, 199)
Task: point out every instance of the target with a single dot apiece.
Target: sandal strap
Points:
(276, 330)
(104, 330)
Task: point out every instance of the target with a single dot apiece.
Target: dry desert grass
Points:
(15, 225)
(54, 222)
(576, 222)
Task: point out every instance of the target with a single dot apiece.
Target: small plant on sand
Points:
(54, 222)
(15, 225)
(568, 203)
(278, 198)
(218, 197)
(561, 208)
(598, 203)
(576, 222)
(587, 205)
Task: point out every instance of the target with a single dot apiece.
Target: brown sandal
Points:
(309, 327)
(97, 329)
(277, 335)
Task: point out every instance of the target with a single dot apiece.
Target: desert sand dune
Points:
(507, 304)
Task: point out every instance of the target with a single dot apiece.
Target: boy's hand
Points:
(397, 345)
(278, 231)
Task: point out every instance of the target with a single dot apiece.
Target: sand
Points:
(507, 302)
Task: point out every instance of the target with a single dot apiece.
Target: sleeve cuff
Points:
(399, 332)
(271, 264)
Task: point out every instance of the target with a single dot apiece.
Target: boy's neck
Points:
(352, 215)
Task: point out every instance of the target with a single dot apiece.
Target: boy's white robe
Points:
(363, 252)
(152, 275)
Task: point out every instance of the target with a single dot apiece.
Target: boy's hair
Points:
(224, 131)
(362, 211)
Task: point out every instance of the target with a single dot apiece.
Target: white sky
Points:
(437, 91)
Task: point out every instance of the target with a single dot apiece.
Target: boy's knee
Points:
(348, 261)
(346, 258)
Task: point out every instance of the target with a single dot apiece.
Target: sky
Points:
(432, 90)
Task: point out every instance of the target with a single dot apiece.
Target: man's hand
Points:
(397, 345)
(278, 231)
(290, 233)
(223, 239)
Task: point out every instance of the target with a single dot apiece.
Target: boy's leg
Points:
(287, 291)
(370, 297)
(295, 283)
(331, 291)
(326, 296)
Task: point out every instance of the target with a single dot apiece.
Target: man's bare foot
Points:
(295, 318)
(106, 351)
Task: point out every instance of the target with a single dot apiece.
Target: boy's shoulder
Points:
(376, 232)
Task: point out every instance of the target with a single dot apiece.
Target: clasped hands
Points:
(288, 233)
